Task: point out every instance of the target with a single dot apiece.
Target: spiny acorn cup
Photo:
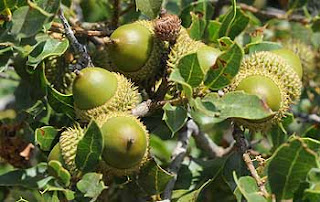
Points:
(307, 57)
(68, 142)
(126, 144)
(58, 67)
(136, 52)
(268, 76)
(97, 91)
(185, 45)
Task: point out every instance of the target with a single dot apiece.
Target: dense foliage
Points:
(216, 109)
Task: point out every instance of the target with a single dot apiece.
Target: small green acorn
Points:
(55, 154)
(126, 143)
(136, 52)
(271, 78)
(307, 57)
(97, 91)
(185, 45)
(292, 59)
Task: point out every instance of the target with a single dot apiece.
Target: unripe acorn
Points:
(55, 154)
(185, 45)
(97, 91)
(292, 59)
(135, 51)
(307, 57)
(268, 76)
(126, 143)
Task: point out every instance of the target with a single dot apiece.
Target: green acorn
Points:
(268, 76)
(97, 91)
(126, 143)
(292, 59)
(136, 52)
(55, 154)
(185, 45)
(307, 57)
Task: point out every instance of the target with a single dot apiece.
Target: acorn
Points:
(136, 52)
(291, 58)
(126, 143)
(271, 78)
(307, 57)
(68, 142)
(55, 154)
(185, 45)
(97, 91)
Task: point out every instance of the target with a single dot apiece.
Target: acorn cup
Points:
(125, 145)
(136, 52)
(97, 91)
(270, 77)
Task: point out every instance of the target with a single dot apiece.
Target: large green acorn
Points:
(271, 78)
(136, 52)
(126, 143)
(97, 91)
(185, 45)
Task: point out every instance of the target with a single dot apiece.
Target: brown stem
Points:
(255, 175)
(275, 13)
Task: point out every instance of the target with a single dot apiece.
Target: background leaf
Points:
(284, 176)
(151, 8)
(226, 67)
(175, 117)
(190, 70)
(89, 148)
(45, 136)
(91, 185)
(152, 179)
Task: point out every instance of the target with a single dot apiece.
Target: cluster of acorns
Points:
(137, 51)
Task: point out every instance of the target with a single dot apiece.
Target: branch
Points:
(275, 13)
(84, 60)
(255, 175)
(241, 143)
(178, 155)
(205, 143)
(313, 118)
(79, 31)
(147, 107)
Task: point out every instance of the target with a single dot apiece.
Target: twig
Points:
(116, 13)
(205, 143)
(274, 13)
(149, 106)
(251, 168)
(84, 60)
(313, 118)
(79, 31)
(178, 155)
